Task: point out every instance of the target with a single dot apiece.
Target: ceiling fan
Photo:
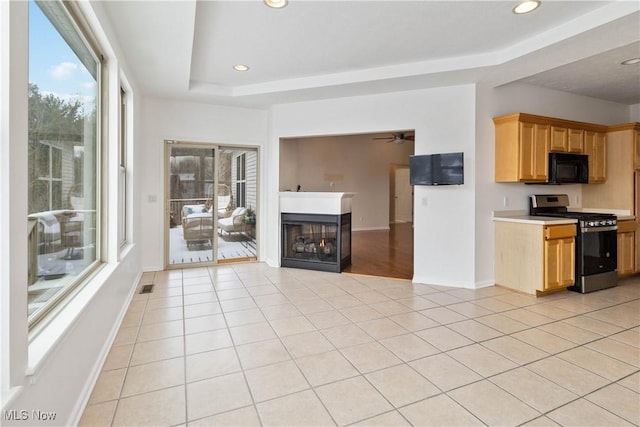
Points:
(397, 138)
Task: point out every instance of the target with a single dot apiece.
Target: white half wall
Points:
(444, 121)
(189, 122)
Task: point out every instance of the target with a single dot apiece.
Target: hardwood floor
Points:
(383, 253)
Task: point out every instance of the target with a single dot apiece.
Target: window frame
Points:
(123, 128)
(40, 318)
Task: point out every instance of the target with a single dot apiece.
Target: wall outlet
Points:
(576, 200)
(361, 218)
(424, 201)
(505, 202)
(152, 198)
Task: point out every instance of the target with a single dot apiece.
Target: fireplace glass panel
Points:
(311, 242)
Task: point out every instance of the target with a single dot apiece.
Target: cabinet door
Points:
(525, 155)
(559, 139)
(559, 262)
(542, 135)
(595, 146)
(626, 253)
(576, 140)
(637, 148)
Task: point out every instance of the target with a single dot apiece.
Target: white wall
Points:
(56, 370)
(490, 196)
(444, 120)
(353, 163)
(189, 122)
(634, 115)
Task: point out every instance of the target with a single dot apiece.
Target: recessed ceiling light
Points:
(526, 6)
(240, 67)
(276, 4)
(631, 61)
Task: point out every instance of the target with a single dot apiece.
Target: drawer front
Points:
(626, 226)
(559, 231)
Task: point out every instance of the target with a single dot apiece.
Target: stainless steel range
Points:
(596, 241)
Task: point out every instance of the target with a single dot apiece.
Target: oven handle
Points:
(599, 229)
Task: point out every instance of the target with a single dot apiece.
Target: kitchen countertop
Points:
(522, 217)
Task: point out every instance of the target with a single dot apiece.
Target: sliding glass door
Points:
(237, 177)
(211, 204)
(191, 213)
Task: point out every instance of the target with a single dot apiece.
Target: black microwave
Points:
(568, 168)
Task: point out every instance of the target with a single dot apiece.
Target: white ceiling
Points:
(320, 49)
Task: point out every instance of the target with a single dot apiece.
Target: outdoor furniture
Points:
(197, 224)
(233, 223)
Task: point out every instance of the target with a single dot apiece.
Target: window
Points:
(241, 180)
(63, 171)
(122, 176)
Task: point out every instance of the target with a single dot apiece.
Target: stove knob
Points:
(593, 223)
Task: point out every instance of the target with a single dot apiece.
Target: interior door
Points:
(191, 204)
(403, 191)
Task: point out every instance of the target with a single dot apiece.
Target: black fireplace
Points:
(316, 242)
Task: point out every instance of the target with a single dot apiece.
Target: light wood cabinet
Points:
(559, 139)
(534, 258)
(566, 140)
(575, 141)
(523, 143)
(626, 247)
(637, 147)
(595, 148)
(521, 152)
(619, 191)
(559, 256)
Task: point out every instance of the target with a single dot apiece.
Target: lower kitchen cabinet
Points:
(559, 261)
(626, 247)
(534, 258)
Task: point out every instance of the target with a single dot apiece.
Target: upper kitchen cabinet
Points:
(521, 150)
(595, 147)
(523, 143)
(566, 140)
(619, 191)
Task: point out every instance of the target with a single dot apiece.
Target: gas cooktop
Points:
(556, 205)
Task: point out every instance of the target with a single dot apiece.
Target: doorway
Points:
(360, 163)
(400, 195)
(211, 204)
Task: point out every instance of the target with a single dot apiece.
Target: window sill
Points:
(44, 344)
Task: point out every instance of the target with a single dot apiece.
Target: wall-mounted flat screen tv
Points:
(437, 169)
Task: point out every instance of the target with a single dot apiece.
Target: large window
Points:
(64, 82)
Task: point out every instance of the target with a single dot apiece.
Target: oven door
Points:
(598, 250)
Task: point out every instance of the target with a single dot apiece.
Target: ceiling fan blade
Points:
(383, 137)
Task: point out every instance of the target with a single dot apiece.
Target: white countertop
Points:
(522, 216)
(529, 219)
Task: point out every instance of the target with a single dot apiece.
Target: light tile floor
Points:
(247, 344)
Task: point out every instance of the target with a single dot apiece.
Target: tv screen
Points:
(437, 169)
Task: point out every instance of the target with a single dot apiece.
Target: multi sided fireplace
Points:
(316, 242)
(316, 230)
